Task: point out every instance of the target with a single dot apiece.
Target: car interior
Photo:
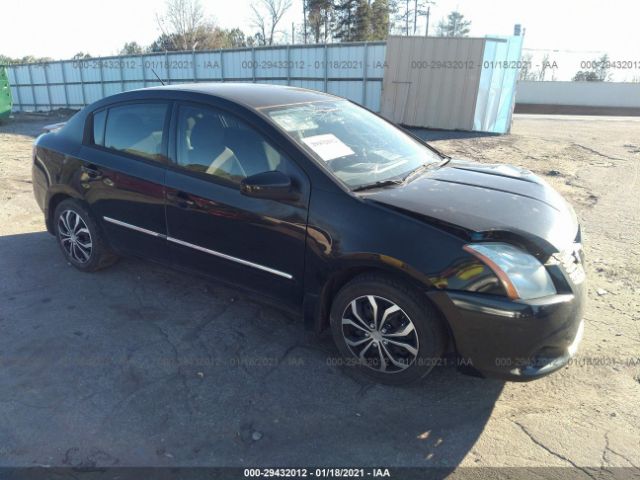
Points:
(219, 145)
(135, 129)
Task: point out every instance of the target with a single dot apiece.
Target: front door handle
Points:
(184, 200)
(92, 171)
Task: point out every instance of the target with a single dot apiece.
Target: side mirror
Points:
(273, 185)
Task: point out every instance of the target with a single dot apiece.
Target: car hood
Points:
(492, 199)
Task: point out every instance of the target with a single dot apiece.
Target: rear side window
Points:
(136, 129)
(99, 122)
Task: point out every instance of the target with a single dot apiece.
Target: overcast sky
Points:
(573, 29)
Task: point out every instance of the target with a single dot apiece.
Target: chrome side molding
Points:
(199, 248)
(133, 227)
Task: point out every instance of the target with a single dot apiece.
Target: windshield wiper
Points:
(412, 173)
(378, 184)
(425, 166)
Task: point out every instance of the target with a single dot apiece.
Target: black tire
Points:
(428, 341)
(79, 243)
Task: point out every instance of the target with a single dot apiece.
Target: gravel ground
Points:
(140, 365)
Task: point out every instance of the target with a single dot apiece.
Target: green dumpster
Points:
(5, 94)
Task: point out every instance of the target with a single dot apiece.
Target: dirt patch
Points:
(150, 399)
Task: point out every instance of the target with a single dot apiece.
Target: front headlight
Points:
(522, 275)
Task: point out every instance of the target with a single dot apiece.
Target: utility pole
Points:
(406, 18)
(304, 20)
(293, 33)
(326, 29)
(428, 14)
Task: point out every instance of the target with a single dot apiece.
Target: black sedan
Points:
(403, 252)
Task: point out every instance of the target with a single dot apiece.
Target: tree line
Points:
(184, 26)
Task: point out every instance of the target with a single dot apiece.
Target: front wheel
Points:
(387, 329)
(80, 238)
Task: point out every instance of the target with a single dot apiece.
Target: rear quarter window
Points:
(99, 123)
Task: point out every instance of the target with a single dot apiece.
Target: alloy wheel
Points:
(380, 334)
(74, 236)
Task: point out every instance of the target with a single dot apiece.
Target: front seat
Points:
(208, 151)
(249, 148)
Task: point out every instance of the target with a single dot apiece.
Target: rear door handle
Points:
(92, 171)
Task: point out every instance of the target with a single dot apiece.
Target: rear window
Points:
(135, 129)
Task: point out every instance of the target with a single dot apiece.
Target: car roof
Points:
(254, 95)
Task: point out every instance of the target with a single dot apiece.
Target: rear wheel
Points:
(387, 329)
(80, 238)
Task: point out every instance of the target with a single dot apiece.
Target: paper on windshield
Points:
(328, 146)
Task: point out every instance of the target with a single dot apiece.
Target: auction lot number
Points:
(317, 472)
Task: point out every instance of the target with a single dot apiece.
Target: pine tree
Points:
(380, 19)
(319, 19)
(454, 26)
(363, 24)
(345, 25)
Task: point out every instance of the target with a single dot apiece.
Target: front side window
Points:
(136, 129)
(218, 144)
(359, 147)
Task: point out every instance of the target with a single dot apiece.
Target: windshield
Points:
(359, 147)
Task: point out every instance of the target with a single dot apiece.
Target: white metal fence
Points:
(351, 70)
(585, 94)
